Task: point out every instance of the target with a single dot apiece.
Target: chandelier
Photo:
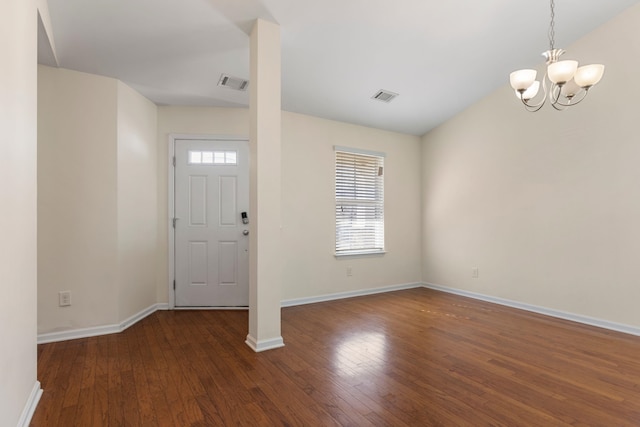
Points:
(568, 83)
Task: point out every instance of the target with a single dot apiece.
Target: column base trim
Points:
(263, 345)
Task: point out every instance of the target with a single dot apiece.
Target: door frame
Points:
(171, 152)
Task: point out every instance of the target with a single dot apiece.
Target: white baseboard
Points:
(263, 345)
(209, 308)
(605, 324)
(100, 330)
(30, 407)
(141, 315)
(348, 294)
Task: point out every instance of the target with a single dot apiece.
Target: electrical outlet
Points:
(475, 273)
(64, 298)
(349, 271)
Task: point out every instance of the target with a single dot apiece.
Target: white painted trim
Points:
(348, 294)
(211, 308)
(600, 323)
(141, 315)
(358, 151)
(171, 214)
(263, 345)
(73, 334)
(359, 254)
(30, 406)
(100, 330)
(171, 152)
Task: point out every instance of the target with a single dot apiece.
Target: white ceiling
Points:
(439, 56)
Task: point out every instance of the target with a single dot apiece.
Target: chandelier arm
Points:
(556, 99)
(531, 107)
(555, 92)
(582, 96)
(535, 107)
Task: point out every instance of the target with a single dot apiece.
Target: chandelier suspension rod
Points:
(552, 27)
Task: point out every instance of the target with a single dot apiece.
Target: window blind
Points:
(359, 203)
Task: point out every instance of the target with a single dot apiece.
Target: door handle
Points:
(245, 232)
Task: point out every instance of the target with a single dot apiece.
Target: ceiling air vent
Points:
(234, 83)
(384, 95)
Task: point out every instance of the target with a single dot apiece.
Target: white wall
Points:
(18, 97)
(546, 205)
(137, 201)
(97, 200)
(311, 268)
(77, 200)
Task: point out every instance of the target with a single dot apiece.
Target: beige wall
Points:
(97, 207)
(77, 199)
(137, 193)
(311, 268)
(308, 212)
(546, 205)
(18, 97)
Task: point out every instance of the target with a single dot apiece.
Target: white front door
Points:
(211, 240)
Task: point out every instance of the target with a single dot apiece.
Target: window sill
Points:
(360, 254)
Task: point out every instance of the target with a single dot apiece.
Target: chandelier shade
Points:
(589, 75)
(562, 71)
(568, 83)
(531, 91)
(522, 79)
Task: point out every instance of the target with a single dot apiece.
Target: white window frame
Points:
(227, 157)
(366, 193)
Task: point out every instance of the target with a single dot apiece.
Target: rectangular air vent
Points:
(235, 83)
(384, 95)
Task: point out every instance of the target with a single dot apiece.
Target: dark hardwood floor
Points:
(416, 357)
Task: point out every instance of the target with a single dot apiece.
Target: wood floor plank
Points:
(115, 404)
(68, 377)
(409, 358)
(140, 360)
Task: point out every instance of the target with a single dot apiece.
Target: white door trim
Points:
(171, 192)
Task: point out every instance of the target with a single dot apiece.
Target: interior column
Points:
(265, 274)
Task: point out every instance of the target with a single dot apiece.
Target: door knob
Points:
(245, 232)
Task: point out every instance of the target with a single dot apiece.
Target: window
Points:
(213, 157)
(359, 202)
